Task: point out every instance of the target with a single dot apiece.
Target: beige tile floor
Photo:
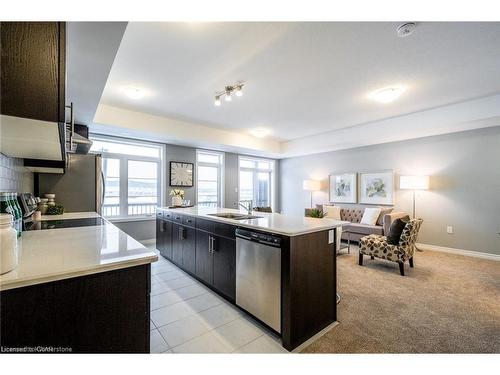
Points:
(187, 317)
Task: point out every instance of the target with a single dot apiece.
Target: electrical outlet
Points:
(449, 229)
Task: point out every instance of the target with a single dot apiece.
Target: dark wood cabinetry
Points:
(184, 245)
(106, 312)
(33, 80)
(203, 248)
(224, 266)
(189, 250)
(177, 235)
(216, 262)
(207, 250)
(33, 70)
(164, 237)
(204, 260)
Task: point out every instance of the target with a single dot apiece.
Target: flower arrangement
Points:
(177, 193)
(177, 197)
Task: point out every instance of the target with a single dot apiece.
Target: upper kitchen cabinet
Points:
(33, 75)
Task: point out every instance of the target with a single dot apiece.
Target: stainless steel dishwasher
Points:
(258, 275)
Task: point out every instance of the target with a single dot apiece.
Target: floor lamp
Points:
(414, 183)
(311, 185)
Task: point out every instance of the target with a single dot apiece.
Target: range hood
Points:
(81, 145)
(77, 139)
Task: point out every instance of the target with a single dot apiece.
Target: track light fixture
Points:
(237, 89)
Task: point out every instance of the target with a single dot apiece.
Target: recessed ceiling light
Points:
(387, 94)
(260, 132)
(133, 92)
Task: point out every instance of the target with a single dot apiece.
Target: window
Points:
(256, 181)
(209, 190)
(132, 176)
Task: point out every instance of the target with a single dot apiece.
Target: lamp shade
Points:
(414, 182)
(311, 185)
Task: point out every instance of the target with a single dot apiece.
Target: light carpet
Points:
(446, 304)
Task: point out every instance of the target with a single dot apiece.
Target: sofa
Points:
(354, 213)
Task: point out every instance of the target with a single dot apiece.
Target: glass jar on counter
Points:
(8, 244)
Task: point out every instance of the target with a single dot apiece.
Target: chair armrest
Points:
(389, 219)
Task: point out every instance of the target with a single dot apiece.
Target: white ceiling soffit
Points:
(474, 114)
(124, 123)
(90, 51)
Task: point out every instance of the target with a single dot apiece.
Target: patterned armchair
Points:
(376, 246)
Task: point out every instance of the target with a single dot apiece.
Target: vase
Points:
(176, 200)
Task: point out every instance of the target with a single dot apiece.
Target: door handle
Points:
(209, 244)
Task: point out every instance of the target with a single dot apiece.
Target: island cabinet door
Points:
(224, 269)
(204, 259)
(177, 242)
(160, 235)
(189, 250)
(166, 246)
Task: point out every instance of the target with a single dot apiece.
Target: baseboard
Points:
(149, 242)
(468, 253)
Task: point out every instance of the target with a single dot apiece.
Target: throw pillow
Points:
(370, 216)
(396, 230)
(383, 211)
(331, 212)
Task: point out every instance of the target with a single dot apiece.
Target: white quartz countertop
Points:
(56, 254)
(287, 225)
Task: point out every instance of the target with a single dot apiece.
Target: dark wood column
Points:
(309, 287)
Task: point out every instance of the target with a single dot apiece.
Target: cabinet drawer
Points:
(225, 230)
(167, 215)
(159, 214)
(188, 221)
(176, 217)
(219, 229)
(206, 225)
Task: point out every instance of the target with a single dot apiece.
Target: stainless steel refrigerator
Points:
(80, 189)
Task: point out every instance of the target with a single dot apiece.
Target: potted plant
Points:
(314, 212)
(177, 197)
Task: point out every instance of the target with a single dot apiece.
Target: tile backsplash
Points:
(14, 177)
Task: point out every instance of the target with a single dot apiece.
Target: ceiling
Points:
(90, 51)
(303, 78)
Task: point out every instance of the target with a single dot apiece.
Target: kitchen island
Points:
(82, 288)
(230, 251)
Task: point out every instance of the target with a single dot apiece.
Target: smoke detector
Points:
(406, 29)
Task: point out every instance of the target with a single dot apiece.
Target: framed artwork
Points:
(376, 187)
(181, 174)
(343, 187)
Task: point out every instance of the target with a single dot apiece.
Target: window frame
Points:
(220, 174)
(123, 175)
(256, 171)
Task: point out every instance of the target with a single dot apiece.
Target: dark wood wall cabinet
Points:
(33, 77)
(207, 250)
(107, 312)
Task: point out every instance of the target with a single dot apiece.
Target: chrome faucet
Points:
(250, 206)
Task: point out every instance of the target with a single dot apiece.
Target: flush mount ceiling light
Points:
(237, 89)
(133, 92)
(387, 94)
(406, 29)
(260, 132)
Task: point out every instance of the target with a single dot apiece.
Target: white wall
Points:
(465, 183)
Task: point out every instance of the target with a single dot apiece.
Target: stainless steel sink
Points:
(230, 215)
